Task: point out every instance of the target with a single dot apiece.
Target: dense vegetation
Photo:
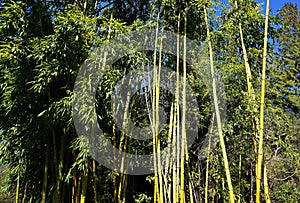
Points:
(43, 44)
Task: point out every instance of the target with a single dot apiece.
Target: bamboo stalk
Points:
(171, 160)
(249, 83)
(191, 192)
(207, 162)
(177, 116)
(251, 182)
(266, 188)
(18, 182)
(240, 174)
(45, 178)
(155, 121)
(183, 121)
(245, 56)
(262, 105)
(157, 96)
(94, 168)
(78, 188)
(124, 144)
(174, 166)
(55, 164)
(220, 131)
(25, 192)
(75, 188)
(84, 180)
(60, 168)
(251, 93)
(252, 96)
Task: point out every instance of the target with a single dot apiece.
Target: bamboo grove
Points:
(251, 156)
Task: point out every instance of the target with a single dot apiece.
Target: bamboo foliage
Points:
(43, 45)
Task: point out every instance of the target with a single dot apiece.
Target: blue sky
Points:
(277, 4)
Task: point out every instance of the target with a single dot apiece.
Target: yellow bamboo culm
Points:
(249, 85)
(252, 99)
(84, 184)
(176, 132)
(154, 118)
(251, 93)
(246, 60)
(266, 187)
(207, 162)
(219, 124)
(262, 105)
(183, 130)
(18, 182)
(157, 95)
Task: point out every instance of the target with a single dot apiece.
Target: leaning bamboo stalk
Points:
(246, 60)
(266, 187)
(251, 95)
(262, 105)
(18, 182)
(124, 144)
(25, 193)
(183, 121)
(219, 124)
(240, 174)
(170, 162)
(250, 88)
(207, 162)
(154, 119)
(157, 96)
(177, 118)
